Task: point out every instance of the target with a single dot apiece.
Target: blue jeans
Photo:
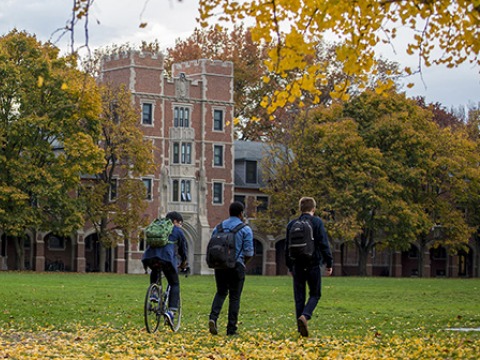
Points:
(171, 275)
(229, 282)
(303, 276)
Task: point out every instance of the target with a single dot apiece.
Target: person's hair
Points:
(307, 204)
(236, 208)
(174, 215)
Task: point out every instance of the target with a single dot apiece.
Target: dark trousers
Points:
(229, 282)
(172, 278)
(303, 276)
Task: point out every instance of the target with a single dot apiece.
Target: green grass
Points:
(349, 306)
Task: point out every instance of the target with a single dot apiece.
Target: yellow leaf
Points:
(40, 81)
(64, 86)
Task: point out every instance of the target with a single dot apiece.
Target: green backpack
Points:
(157, 233)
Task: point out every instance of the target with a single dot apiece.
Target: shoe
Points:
(154, 297)
(302, 326)
(212, 327)
(170, 318)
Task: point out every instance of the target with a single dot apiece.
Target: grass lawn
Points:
(90, 316)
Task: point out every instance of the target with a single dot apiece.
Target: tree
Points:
(115, 200)
(452, 27)
(383, 173)
(48, 120)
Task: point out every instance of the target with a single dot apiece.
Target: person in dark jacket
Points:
(164, 259)
(308, 272)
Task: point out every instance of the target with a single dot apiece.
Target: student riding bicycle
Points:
(164, 259)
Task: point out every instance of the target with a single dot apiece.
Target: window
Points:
(217, 155)
(176, 153)
(147, 114)
(262, 203)
(185, 156)
(217, 193)
(186, 153)
(148, 187)
(56, 242)
(251, 172)
(239, 198)
(181, 116)
(182, 190)
(218, 120)
(185, 189)
(113, 189)
(175, 189)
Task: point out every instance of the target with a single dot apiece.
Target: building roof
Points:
(250, 150)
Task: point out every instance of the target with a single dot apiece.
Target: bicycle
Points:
(156, 306)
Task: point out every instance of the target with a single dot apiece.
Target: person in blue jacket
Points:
(164, 259)
(230, 281)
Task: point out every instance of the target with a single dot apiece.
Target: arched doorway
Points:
(58, 253)
(438, 262)
(410, 259)
(255, 266)
(465, 263)
(92, 255)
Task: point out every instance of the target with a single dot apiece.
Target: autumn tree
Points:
(383, 173)
(115, 198)
(49, 117)
(442, 32)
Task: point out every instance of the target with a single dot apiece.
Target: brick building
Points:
(199, 170)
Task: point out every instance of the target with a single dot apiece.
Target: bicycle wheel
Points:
(153, 303)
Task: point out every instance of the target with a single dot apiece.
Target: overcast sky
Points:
(117, 22)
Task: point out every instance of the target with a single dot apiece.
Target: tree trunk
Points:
(421, 256)
(362, 261)
(19, 252)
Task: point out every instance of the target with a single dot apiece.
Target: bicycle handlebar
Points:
(185, 271)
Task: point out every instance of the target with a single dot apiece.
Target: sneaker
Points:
(302, 326)
(154, 297)
(170, 318)
(212, 327)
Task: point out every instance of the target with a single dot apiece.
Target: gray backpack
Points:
(302, 243)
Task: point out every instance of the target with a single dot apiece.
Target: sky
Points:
(117, 22)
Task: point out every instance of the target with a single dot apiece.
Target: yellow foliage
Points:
(110, 343)
(452, 26)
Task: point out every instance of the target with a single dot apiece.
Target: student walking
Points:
(307, 248)
(229, 281)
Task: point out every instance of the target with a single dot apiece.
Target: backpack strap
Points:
(237, 228)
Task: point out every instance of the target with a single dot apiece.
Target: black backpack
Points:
(221, 252)
(302, 243)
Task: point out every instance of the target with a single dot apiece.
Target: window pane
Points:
(148, 187)
(217, 193)
(147, 114)
(175, 117)
(188, 154)
(175, 190)
(218, 155)
(187, 117)
(218, 120)
(181, 117)
(251, 172)
(176, 153)
(262, 203)
(240, 198)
